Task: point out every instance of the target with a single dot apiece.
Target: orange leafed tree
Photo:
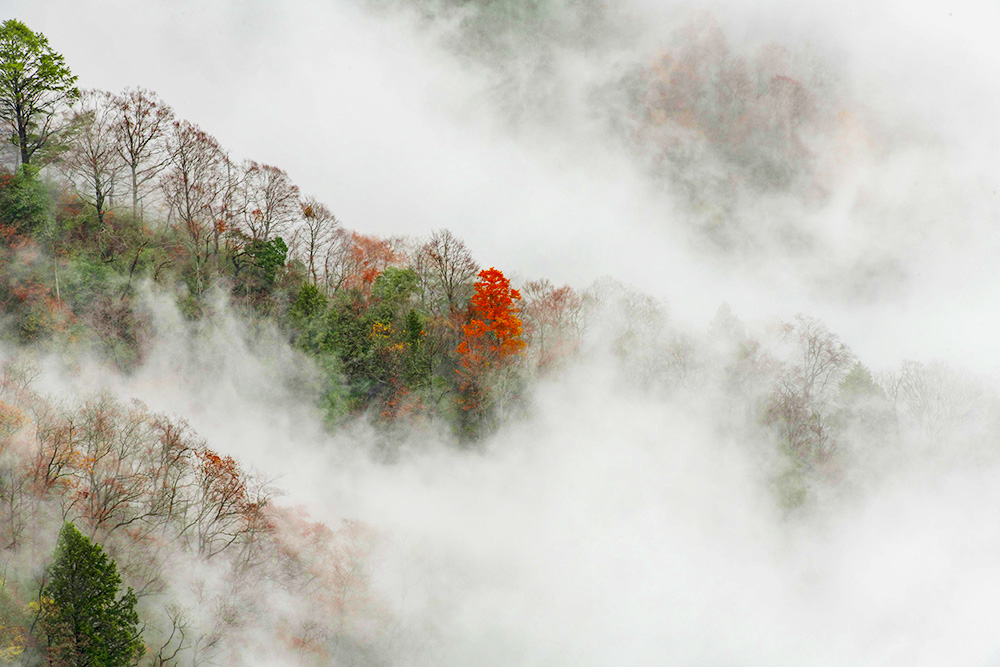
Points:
(494, 329)
(492, 336)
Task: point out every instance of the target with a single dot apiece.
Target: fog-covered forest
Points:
(498, 332)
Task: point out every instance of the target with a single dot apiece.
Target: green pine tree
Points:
(86, 624)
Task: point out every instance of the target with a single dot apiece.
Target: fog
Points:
(379, 115)
(608, 525)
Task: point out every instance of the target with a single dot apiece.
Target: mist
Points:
(612, 524)
(620, 518)
(549, 193)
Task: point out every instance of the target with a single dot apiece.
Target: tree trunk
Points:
(135, 194)
(22, 138)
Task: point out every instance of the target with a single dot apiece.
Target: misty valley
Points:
(655, 345)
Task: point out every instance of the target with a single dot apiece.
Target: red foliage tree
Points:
(492, 336)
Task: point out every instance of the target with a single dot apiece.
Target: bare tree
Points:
(141, 127)
(800, 404)
(933, 400)
(195, 187)
(176, 641)
(553, 321)
(336, 256)
(91, 162)
(271, 201)
(319, 227)
(447, 271)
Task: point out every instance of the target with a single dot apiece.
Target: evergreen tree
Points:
(86, 624)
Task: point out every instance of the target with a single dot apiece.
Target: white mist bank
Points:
(611, 525)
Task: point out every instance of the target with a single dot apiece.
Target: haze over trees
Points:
(401, 339)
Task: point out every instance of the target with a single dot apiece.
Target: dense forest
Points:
(126, 538)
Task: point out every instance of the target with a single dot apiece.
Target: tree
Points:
(358, 260)
(801, 404)
(196, 188)
(86, 623)
(553, 319)
(446, 268)
(267, 257)
(492, 338)
(91, 162)
(494, 319)
(34, 83)
(228, 504)
(935, 401)
(110, 482)
(271, 201)
(141, 128)
(318, 230)
(23, 200)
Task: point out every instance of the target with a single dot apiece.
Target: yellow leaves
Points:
(381, 332)
(15, 646)
(12, 643)
(44, 603)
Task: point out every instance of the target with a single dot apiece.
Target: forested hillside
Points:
(139, 258)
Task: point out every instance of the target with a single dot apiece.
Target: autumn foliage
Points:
(492, 336)
(494, 330)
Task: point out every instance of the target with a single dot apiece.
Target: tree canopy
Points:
(34, 83)
(86, 623)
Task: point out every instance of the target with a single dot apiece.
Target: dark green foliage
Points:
(85, 622)
(257, 267)
(309, 302)
(378, 340)
(307, 321)
(418, 358)
(23, 200)
(268, 257)
(349, 326)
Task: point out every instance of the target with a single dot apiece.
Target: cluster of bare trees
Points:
(153, 493)
(116, 138)
(801, 405)
(131, 144)
(128, 474)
